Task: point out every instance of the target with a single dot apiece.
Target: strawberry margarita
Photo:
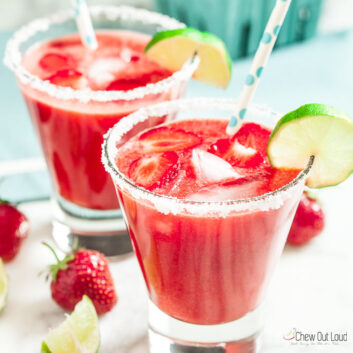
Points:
(207, 214)
(72, 134)
(74, 95)
(203, 270)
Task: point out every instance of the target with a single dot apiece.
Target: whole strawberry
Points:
(14, 228)
(84, 272)
(308, 222)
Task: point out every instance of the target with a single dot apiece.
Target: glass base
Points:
(106, 235)
(169, 335)
(83, 212)
(159, 343)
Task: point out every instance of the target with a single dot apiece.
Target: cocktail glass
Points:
(71, 124)
(206, 265)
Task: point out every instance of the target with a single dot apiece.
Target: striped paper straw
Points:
(84, 24)
(263, 52)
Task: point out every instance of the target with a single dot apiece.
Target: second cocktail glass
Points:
(71, 124)
(206, 264)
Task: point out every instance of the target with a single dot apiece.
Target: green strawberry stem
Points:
(60, 265)
(11, 203)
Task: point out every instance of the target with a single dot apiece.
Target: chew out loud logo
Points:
(296, 336)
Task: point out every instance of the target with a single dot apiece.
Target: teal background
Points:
(240, 23)
(317, 70)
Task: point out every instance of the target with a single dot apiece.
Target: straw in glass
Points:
(261, 57)
(84, 24)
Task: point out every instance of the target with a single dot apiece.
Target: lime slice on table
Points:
(171, 49)
(79, 333)
(314, 130)
(4, 286)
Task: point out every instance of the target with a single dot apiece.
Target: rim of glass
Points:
(13, 56)
(266, 201)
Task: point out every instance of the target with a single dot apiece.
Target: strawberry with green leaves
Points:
(84, 272)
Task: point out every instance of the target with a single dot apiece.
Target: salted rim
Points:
(13, 56)
(169, 204)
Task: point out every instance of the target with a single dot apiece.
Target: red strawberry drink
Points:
(207, 214)
(74, 95)
(72, 135)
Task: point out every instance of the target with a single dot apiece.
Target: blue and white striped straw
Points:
(262, 54)
(84, 24)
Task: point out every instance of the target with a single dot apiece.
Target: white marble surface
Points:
(312, 290)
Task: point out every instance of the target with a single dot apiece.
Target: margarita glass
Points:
(71, 121)
(206, 264)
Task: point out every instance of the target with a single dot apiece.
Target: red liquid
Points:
(205, 269)
(71, 132)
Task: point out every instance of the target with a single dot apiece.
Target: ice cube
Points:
(221, 192)
(125, 55)
(104, 71)
(210, 168)
(129, 56)
(241, 150)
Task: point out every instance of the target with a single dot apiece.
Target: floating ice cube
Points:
(241, 150)
(210, 168)
(104, 71)
(221, 192)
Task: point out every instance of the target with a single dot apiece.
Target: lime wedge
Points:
(171, 49)
(4, 286)
(79, 333)
(45, 348)
(319, 130)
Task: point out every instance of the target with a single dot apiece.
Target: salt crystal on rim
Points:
(173, 205)
(13, 56)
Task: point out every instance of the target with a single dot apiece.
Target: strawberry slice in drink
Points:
(127, 83)
(55, 61)
(154, 170)
(68, 78)
(236, 154)
(252, 135)
(65, 43)
(164, 139)
(246, 149)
